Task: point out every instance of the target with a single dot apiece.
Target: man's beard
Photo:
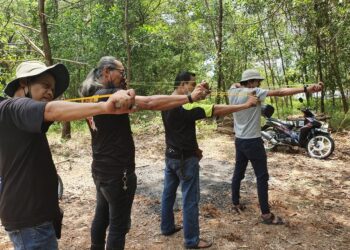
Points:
(121, 85)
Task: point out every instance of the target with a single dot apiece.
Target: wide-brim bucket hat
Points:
(35, 68)
(251, 74)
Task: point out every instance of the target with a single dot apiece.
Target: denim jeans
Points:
(251, 150)
(41, 237)
(113, 209)
(189, 181)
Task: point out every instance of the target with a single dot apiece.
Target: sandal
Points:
(239, 208)
(272, 220)
(201, 244)
(176, 229)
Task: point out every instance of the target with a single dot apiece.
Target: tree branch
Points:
(32, 44)
(25, 26)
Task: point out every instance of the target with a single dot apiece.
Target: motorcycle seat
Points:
(288, 124)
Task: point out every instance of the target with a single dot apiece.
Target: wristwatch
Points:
(190, 98)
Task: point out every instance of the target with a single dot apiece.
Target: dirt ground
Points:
(313, 196)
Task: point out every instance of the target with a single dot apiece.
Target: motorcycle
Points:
(306, 132)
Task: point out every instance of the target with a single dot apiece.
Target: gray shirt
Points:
(247, 122)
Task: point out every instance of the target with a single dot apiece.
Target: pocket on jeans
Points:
(44, 230)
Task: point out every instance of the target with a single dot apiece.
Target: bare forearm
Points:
(69, 111)
(160, 102)
(285, 91)
(222, 110)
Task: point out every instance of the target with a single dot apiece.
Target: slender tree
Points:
(66, 126)
(127, 40)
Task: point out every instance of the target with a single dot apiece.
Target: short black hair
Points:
(245, 83)
(183, 76)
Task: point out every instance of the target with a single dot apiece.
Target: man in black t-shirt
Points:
(29, 208)
(113, 151)
(182, 159)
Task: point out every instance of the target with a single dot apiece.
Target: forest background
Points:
(291, 42)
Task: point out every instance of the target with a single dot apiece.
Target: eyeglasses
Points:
(121, 71)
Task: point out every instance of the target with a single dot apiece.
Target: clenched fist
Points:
(121, 102)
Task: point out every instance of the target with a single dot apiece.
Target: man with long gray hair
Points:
(113, 152)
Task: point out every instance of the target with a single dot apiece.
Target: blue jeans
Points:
(190, 197)
(41, 237)
(113, 209)
(251, 150)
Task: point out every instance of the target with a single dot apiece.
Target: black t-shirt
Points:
(113, 148)
(28, 189)
(180, 125)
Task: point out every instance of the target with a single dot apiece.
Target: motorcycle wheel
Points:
(320, 146)
(60, 187)
(268, 145)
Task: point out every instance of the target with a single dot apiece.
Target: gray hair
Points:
(91, 83)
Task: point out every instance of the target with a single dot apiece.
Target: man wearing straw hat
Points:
(248, 142)
(29, 208)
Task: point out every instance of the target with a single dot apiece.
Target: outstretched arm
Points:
(292, 91)
(222, 110)
(164, 102)
(118, 103)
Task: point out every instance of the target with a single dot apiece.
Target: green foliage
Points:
(76, 126)
(144, 120)
(12, 46)
(291, 42)
(340, 121)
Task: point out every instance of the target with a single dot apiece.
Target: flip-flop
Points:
(205, 244)
(273, 220)
(176, 229)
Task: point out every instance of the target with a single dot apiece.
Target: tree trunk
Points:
(319, 69)
(217, 38)
(283, 67)
(44, 33)
(211, 24)
(335, 69)
(319, 54)
(269, 62)
(221, 85)
(127, 41)
(66, 128)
